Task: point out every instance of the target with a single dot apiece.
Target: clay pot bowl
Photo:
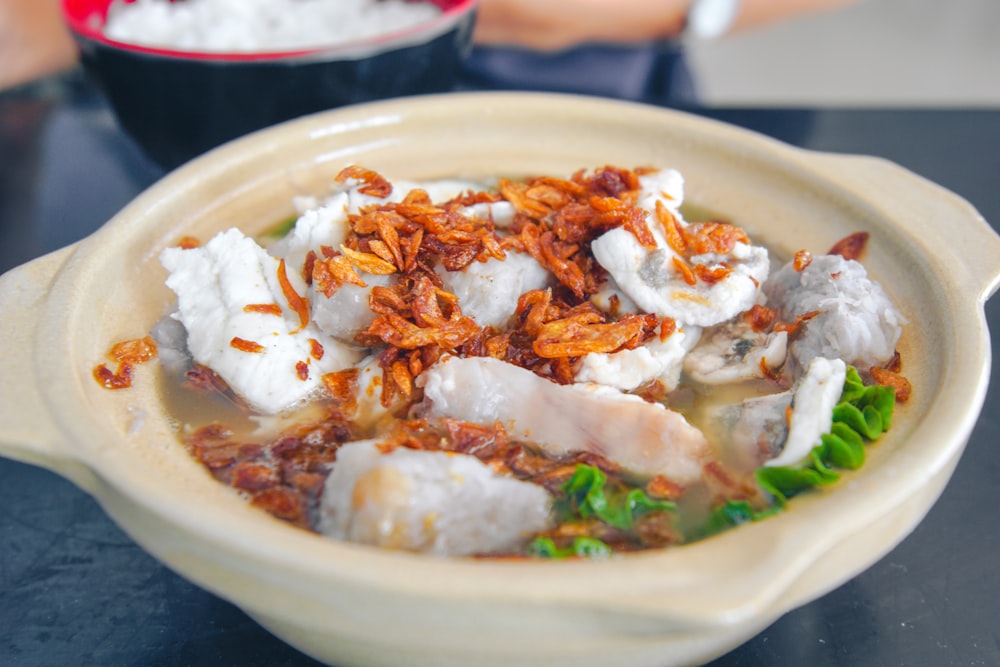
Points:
(353, 605)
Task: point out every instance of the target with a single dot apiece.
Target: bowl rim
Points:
(86, 20)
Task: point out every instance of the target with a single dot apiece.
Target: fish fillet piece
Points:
(346, 313)
(650, 277)
(488, 291)
(815, 395)
(266, 357)
(628, 369)
(782, 429)
(611, 299)
(440, 503)
(644, 438)
(500, 213)
(734, 352)
(322, 225)
(325, 223)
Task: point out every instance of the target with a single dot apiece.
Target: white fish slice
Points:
(629, 369)
(489, 291)
(441, 503)
(734, 352)
(648, 275)
(644, 438)
(260, 355)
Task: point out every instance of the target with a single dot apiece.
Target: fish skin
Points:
(781, 429)
(734, 352)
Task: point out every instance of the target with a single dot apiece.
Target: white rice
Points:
(249, 26)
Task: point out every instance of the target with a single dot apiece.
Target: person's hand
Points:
(34, 42)
(557, 24)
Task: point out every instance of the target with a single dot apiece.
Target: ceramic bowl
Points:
(178, 104)
(348, 604)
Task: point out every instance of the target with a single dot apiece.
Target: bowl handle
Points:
(943, 220)
(27, 431)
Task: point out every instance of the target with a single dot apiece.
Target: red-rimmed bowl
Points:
(179, 104)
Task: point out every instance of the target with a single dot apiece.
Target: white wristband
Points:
(709, 19)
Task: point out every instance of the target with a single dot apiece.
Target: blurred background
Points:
(871, 53)
(875, 52)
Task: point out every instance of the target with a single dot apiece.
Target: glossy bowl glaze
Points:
(178, 104)
(348, 604)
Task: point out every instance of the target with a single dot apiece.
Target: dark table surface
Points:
(75, 590)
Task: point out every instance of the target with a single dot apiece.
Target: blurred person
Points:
(34, 41)
(622, 48)
(631, 49)
(559, 24)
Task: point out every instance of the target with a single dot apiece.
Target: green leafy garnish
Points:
(869, 400)
(586, 498)
(281, 230)
(844, 446)
(733, 513)
(863, 413)
(581, 547)
(783, 482)
(854, 386)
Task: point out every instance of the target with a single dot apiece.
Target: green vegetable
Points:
(783, 482)
(282, 229)
(844, 446)
(586, 498)
(863, 413)
(582, 547)
(854, 386)
(869, 400)
(590, 547)
(733, 513)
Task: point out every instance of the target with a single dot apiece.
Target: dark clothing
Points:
(650, 72)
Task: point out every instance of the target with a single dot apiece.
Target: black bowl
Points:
(179, 104)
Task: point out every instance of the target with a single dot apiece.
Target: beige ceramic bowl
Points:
(353, 605)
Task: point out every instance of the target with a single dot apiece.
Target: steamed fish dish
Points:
(544, 367)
